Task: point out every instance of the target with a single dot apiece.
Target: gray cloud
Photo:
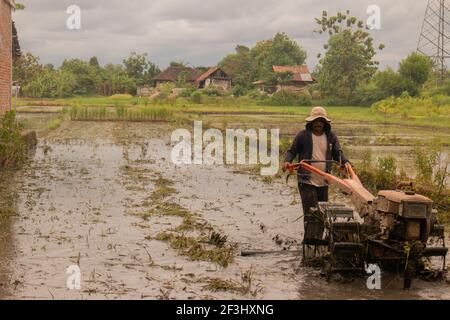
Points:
(197, 31)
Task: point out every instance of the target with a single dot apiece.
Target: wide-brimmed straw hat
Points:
(316, 113)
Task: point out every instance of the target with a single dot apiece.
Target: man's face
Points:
(318, 126)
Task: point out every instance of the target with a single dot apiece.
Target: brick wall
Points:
(5, 55)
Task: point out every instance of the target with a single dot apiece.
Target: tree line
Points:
(347, 71)
(78, 77)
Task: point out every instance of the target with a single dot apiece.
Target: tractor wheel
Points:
(410, 273)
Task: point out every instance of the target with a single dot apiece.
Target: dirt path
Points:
(106, 197)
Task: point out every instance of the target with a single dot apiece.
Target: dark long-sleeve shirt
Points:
(302, 147)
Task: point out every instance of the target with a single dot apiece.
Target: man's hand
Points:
(351, 164)
(285, 166)
(343, 169)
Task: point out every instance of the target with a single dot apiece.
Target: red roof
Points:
(300, 73)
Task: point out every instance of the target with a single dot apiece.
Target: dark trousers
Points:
(311, 196)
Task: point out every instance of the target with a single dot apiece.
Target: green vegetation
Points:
(433, 173)
(248, 65)
(347, 74)
(431, 112)
(192, 248)
(194, 238)
(54, 123)
(379, 176)
(427, 108)
(287, 98)
(139, 69)
(244, 286)
(122, 113)
(415, 71)
(348, 60)
(12, 146)
(431, 178)
(78, 77)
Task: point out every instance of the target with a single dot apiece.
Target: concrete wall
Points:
(298, 87)
(224, 84)
(145, 91)
(5, 55)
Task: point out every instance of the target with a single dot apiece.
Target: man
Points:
(316, 142)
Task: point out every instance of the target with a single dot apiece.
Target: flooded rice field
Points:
(106, 197)
(356, 138)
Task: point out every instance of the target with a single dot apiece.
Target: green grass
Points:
(140, 108)
(121, 113)
(54, 123)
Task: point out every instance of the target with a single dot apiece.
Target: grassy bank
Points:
(417, 116)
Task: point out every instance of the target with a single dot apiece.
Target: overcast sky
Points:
(200, 32)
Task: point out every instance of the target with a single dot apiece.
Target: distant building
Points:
(176, 74)
(212, 77)
(299, 82)
(215, 77)
(6, 53)
(145, 91)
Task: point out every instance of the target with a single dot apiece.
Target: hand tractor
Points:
(396, 230)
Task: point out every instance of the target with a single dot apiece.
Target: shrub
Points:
(166, 88)
(197, 97)
(431, 165)
(287, 98)
(386, 106)
(186, 93)
(213, 91)
(406, 105)
(12, 146)
(367, 95)
(239, 90)
(386, 177)
(256, 94)
(316, 95)
(382, 176)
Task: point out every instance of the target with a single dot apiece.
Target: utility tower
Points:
(434, 40)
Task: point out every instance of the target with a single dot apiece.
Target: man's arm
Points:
(337, 153)
(294, 150)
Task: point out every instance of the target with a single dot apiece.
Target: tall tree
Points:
(140, 69)
(87, 77)
(389, 83)
(247, 65)
(26, 68)
(239, 66)
(93, 62)
(348, 61)
(281, 51)
(415, 71)
(115, 79)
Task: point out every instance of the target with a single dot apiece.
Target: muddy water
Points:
(78, 204)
